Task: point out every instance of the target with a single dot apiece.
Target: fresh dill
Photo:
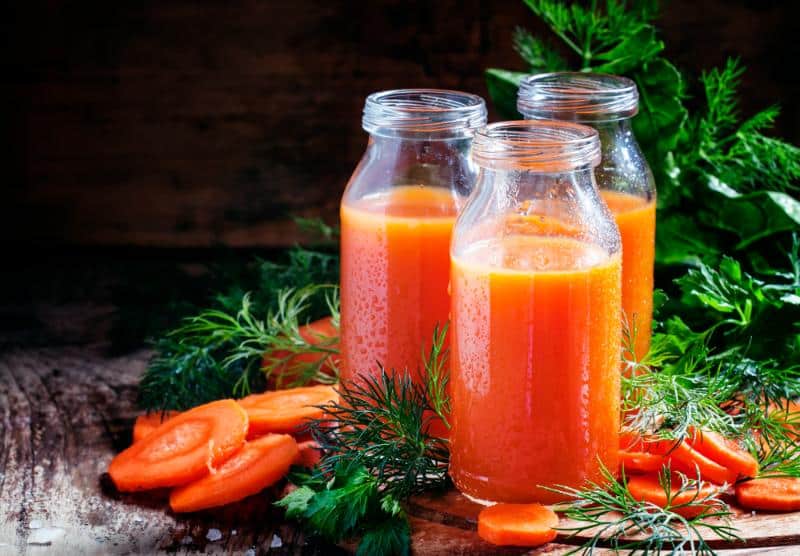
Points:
(384, 422)
(609, 514)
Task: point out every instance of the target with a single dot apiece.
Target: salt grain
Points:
(214, 535)
(250, 552)
(276, 542)
(35, 524)
(187, 540)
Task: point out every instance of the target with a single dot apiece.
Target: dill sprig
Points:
(272, 342)
(383, 423)
(221, 353)
(614, 518)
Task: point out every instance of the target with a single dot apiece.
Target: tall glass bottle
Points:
(607, 103)
(535, 278)
(397, 215)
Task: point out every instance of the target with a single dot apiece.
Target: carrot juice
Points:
(395, 268)
(535, 366)
(636, 219)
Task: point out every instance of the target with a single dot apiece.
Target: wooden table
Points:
(67, 403)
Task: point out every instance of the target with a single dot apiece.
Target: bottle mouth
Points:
(542, 146)
(579, 97)
(423, 111)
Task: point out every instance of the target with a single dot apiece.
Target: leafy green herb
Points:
(217, 353)
(614, 518)
(383, 423)
(350, 503)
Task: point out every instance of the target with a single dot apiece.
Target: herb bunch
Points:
(219, 352)
(378, 449)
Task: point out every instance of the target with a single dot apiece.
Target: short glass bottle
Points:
(535, 278)
(397, 215)
(607, 103)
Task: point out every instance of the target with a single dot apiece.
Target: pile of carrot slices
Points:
(223, 451)
(716, 460)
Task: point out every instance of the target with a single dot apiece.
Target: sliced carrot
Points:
(147, 423)
(183, 449)
(308, 454)
(640, 462)
(682, 457)
(286, 411)
(259, 464)
(648, 488)
(725, 452)
(517, 524)
(288, 365)
(779, 494)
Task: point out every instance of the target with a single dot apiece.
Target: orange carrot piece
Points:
(640, 462)
(259, 464)
(517, 524)
(725, 452)
(148, 422)
(317, 332)
(286, 411)
(778, 494)
(308, 454)
(682, 457)
(183, 449)
(648, 488)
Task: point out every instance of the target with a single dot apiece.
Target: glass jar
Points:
(535, 278)
(607, 103)
(397, 215)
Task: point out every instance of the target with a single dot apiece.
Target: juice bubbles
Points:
(536, 327)
(397, 215)
(608, 103)
(636, 219)
(395, 261)
(540, 314)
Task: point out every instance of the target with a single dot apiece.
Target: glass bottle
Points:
(607, 103)
(397, 215)
(535, 282)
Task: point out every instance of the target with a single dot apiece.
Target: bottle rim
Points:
(543, 146)
(424, 111)
(578, 96)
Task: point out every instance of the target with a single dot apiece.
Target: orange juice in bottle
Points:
(397, 215)
(536, 329)
(607, 103)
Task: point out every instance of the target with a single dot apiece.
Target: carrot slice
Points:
(259, 464)
(725, 452)
(317, 332)
(517, 524)
(147, 423)
(640, 462)
(183, 449)
(648, 488)
(779, 494)
(682, 457)
(286, 411)
(308, 454)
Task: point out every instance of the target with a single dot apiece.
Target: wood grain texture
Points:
(182, 123)
(757, 529)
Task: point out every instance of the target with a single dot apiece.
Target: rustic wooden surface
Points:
(184, 123)
(67, 403)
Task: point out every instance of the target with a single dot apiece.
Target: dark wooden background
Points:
(178, 123)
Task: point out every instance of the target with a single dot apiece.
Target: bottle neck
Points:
(433, 162)
(623, 166)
